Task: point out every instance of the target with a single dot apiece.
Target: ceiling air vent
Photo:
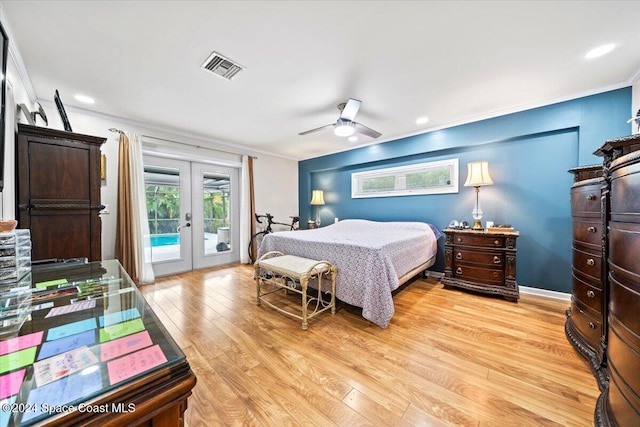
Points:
(222, 66)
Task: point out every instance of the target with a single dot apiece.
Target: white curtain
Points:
(140, 218)
(245, 210)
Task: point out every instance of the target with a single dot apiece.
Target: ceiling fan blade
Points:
(316, 129)
(362, 129)
(350, 109)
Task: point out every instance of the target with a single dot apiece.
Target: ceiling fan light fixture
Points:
(344, 128)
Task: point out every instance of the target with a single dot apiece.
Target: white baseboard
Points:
(435, 274)
(563, 296)
(545, 293)
(523, 289)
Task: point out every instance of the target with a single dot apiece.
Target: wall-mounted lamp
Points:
(477, 175)
(317, 199)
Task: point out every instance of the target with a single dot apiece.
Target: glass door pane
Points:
(215, 203)
(214, 207)
(168, 198)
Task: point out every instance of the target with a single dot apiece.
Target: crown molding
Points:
(635, 77)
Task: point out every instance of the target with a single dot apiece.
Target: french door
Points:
(193, 214)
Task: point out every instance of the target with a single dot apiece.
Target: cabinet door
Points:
(58, 192)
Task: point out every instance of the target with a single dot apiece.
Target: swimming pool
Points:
(165, 239)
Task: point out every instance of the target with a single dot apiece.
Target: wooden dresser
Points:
(58, 192)
(587, 318)
(603, 322)
(619, 403)
(481, 261)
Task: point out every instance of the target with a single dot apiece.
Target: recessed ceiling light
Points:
(85, 99)
(422, 120)
(353, 138)
(599, 51)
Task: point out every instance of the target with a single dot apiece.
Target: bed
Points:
(373, 258)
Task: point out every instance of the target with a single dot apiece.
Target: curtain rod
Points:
(182, 143)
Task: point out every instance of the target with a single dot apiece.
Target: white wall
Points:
(276, 187)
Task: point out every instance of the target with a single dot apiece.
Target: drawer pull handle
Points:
(591, 229)
(458, 255)
(590, 262)
(591, 294)
(496, 242)
(458, 239)
(496, 260)
(458, 270)
(592, 325)
(591, 197)
(495, 274)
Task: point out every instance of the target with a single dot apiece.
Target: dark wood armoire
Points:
(603, 322)
(58, 192)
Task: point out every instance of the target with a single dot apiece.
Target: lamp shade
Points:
(478, 174)
(317, 197)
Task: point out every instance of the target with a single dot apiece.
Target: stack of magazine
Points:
(15, 280)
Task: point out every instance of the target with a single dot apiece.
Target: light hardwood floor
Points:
(447, 358)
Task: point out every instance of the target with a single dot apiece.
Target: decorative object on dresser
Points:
(63, 113)
(477, 175)
(636, 119)
(58, 192)
(587, 318)
(619, 403)
(481, 261)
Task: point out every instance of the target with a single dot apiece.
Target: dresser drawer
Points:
(486, 258)
(589, 327)
(585, 199)
(624, 247)
(475, 273)
(476, 240)
(588, 295)
(588, 264)
(587, 231)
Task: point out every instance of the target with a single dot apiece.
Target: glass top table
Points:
(80, 341)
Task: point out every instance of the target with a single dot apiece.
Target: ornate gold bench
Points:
(275, 271)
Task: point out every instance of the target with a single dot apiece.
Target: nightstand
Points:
(481, 261)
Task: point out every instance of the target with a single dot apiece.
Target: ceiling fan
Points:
(345, 126)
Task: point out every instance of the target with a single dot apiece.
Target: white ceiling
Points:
(451, 61)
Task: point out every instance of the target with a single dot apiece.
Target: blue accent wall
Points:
(529, 154)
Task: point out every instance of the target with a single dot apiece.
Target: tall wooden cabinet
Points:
(58, 192)
(587, 318)
(619, 403)
(604, 319)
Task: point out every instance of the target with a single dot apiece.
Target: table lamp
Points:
(317, 199)
(477, 175)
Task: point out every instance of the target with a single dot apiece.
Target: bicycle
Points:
(256, 239)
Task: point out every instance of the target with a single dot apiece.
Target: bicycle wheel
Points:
(254, 245)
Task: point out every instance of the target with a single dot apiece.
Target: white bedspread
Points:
(370, 257)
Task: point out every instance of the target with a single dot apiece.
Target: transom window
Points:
(424, 178)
